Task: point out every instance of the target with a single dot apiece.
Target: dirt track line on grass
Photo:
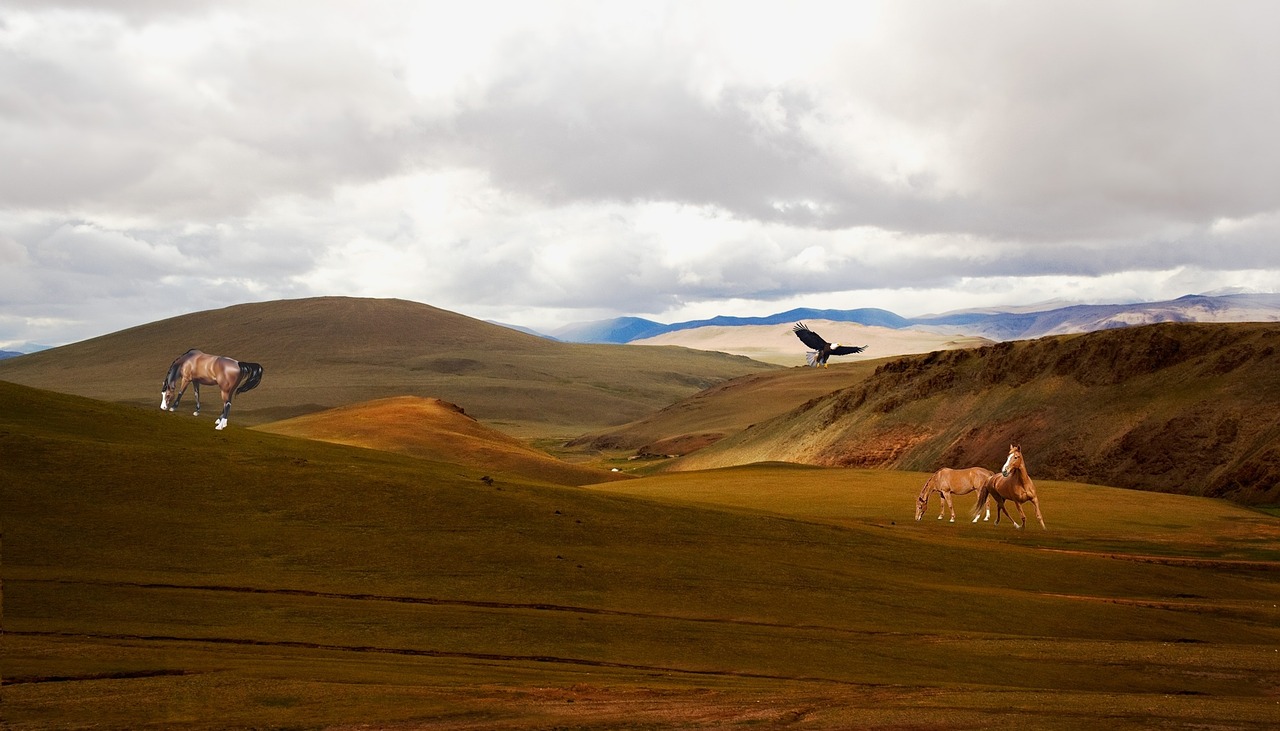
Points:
(1196, 607)
(474, 603)
(446, 654)
(1188, 561)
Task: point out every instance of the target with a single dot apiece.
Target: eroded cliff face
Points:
(1190, 408)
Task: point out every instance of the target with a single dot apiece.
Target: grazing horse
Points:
(1013, 483)
(196, 368)
(947, 482)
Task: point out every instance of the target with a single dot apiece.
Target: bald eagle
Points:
(822, 350)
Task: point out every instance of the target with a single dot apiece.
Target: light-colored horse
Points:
(1013, 483)
(947, 482)
(196, 368)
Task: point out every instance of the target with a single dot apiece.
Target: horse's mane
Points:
(927, 484)
(176, 367)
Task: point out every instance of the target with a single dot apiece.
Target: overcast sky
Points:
(541, 163)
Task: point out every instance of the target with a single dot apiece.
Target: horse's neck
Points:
(1024, 478)
(928, 485)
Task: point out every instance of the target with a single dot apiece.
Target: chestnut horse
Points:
(947, 482)
(194, 368)
(1013, 483)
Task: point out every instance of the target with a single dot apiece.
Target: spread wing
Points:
(847, 349)
(809, 337)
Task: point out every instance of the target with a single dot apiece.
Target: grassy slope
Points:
(158, 573)
(729, 408)
(331, 351)
(436, 430)
(1186, 408)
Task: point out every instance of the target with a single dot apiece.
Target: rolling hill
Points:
(727, 408)
(331, 351)
(1190, 408)
(435, 430)
(778, 344)
(159, 574)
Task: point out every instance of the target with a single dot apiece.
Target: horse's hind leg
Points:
(221, 423)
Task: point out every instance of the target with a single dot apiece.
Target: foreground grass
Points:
(160, 574)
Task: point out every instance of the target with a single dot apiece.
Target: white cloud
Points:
(572, 160)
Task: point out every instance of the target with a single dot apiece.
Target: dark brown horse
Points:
(947, 482)
(194, 368)
(1012, 483)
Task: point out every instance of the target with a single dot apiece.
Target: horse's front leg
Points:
(1021, 514)
(174, 406)
(944, 502)
(1035, 503)
(196, 387)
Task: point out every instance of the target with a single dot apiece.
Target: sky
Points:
(545, 163)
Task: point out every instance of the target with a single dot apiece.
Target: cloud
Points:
(571, 160)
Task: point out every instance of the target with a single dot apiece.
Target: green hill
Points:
(332, 351)
(159, 574)
(1190, 408)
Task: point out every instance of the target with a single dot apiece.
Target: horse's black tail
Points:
(250, 376)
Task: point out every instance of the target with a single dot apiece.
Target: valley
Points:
(159, 573)
(400, 560)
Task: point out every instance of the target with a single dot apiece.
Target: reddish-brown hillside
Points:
(436, 430)
(1191, 408)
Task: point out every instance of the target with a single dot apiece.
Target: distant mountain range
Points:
(1008, 323)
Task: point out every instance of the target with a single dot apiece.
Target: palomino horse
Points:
(947, 482)
(1013, 483)
(196, 368)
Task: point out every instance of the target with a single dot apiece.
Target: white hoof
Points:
(939, 517)
(195, 413)
(953, 519)
(220, 424)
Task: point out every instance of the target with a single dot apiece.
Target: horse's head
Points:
(1013, 462)
(169, 388)
(922, 504)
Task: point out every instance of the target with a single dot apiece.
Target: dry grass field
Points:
(159, 574)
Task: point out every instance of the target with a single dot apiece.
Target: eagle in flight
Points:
(822, 350)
